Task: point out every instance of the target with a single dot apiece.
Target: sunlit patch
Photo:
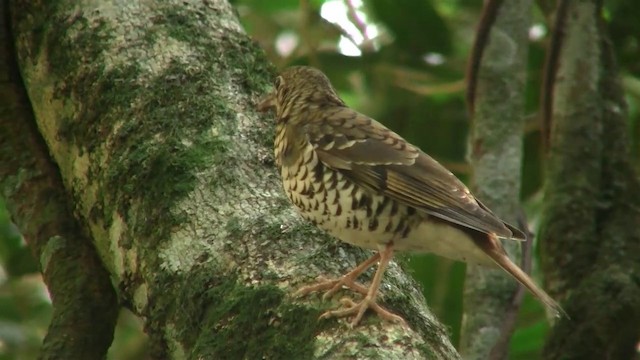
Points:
(348, 48)
(337, 12)
(286, 43)
(434, 59)
(537, 32)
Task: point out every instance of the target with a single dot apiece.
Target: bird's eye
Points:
(278, 82)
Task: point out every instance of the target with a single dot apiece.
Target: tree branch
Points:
(148, 111)
(550, 69)
(84, 302)
(496, 156)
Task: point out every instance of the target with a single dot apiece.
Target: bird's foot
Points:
(349, 307)
(331, 286)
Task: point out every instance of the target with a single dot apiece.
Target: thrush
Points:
(364, 184)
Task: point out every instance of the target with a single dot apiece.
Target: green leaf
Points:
(15, 256)
(527, 342)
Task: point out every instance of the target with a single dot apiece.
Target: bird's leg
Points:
(349, 280)
(369, 301)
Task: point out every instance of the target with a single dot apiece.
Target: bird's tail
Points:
(497, 254)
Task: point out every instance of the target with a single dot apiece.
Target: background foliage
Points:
(401, 62)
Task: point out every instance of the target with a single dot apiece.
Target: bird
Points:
(364, 184)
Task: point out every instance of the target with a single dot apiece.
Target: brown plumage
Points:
(367, 186)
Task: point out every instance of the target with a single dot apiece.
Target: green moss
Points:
(177, 125)
(166, 130)
(269, 326)
(427, 351)
(163, 141)
(159, 154)
(248, 62)
(71, 35)
(107, 96)
(234, 227)
(273, 329)
(32, 19)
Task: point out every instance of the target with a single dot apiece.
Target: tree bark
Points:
(590, 233)
(85, 306)
(148, 111)
(497, 88)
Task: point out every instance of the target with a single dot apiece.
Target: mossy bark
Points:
(590, 233)
(85, 306)
(148, 111)
(496, 153)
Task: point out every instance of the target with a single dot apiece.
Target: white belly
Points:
(443, 240)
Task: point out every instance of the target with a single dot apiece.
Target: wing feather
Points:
(380, 160)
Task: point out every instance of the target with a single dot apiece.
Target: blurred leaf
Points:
(25, 312)
(625, 34)
(528, 340)
(442, 282)
(416, 25)
(129, 340)
(15, 256)
(21, 262)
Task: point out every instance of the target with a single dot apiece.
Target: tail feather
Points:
(498, 255)
(516, 233)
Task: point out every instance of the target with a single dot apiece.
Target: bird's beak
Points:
(268, 102)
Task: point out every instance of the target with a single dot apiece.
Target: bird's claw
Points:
(331, 286)
(358, 309)
(349, 307)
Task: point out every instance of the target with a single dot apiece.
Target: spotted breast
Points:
(334, 203)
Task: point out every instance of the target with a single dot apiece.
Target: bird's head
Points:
(297, 90)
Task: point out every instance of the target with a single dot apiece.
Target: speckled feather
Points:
(369, 155)
(366, 185)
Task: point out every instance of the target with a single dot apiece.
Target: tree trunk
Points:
(84, 302)
(590, 233)
(497, 77)
(148, 111)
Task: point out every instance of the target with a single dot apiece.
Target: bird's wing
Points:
(378, 159)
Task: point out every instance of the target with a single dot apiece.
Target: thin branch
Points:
(495, 97)
(305, 30)
(487, 19)
(352, 13)
(550, 71)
